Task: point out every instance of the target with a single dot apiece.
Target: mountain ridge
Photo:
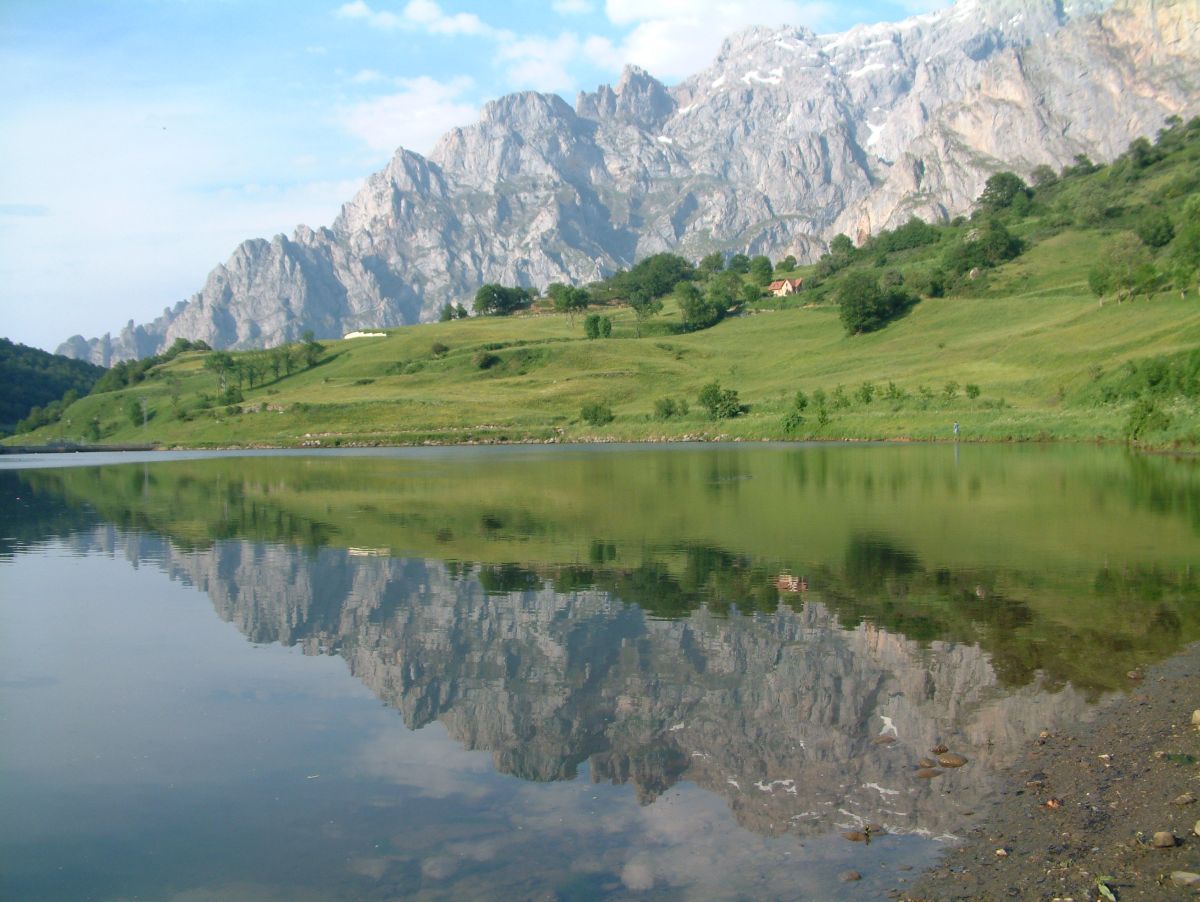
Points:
(786, 139)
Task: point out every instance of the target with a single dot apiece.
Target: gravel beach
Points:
(1108, 811)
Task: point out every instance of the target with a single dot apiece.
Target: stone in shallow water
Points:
(928, 773)
(849, 876)
(1163, 839)
(949, 759)
(1185, 878)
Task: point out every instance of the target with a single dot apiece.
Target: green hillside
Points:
(1091, 332)
(31, 378)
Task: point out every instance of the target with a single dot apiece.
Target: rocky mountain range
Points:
(779, 715)
(787, 139)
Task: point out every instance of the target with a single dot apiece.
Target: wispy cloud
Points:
(24, 210)
(413, 117)
(572, 7)
(419, 15)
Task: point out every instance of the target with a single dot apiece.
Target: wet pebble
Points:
(849, 876)
(927, 762)
(884, 739)
(1186, 799)
(949, 759)
(1163, 839)
(939, 749)
(928, 773)
(1195, 721)
(855, 836)
(1185, 879)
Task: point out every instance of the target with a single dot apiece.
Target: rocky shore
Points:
(1108, 811)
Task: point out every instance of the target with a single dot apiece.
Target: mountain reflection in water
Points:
(749, 622)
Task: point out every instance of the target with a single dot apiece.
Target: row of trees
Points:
(254, 367)
(643, 287)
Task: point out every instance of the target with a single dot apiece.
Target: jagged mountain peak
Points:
(786, 139)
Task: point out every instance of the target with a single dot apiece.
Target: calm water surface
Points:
(566, 673)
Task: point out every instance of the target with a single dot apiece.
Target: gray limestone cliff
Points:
(785, 140)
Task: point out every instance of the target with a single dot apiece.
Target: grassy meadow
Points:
(1025, 350)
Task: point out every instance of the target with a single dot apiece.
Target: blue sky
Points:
(143, 139)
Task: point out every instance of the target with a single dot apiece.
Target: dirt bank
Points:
(1081, 809)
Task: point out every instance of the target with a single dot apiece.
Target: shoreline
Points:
(1080, 809)
(531, 441)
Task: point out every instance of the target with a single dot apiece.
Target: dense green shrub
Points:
(596, 413)
(865, 307)
(720, 403)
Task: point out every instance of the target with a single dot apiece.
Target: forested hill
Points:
(31, 377)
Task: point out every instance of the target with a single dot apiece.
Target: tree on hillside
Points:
(989, 245)
(597, 326)
(1081, 165)
(711, 264)
(787, 264)
(645, 305)
(697, 308)
(311, 349)
(739, 263)
(1184, 258)
(1002, 190)
(865, 307)
(1043, 177)
(1123, 270)
(1155, 229)
(498, 300)
(1142, 153)
(841, 246)
(567, 298)
(761, 269)
(655, 276)
(221, 363)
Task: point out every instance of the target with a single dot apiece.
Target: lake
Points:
(555, 673)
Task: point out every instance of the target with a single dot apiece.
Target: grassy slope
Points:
(1030, 334)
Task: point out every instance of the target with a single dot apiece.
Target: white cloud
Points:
(414, 117)
(430, 16)
(359, 10)
(676, 38)
(572, 7)
(541, 63)
(420, 15)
